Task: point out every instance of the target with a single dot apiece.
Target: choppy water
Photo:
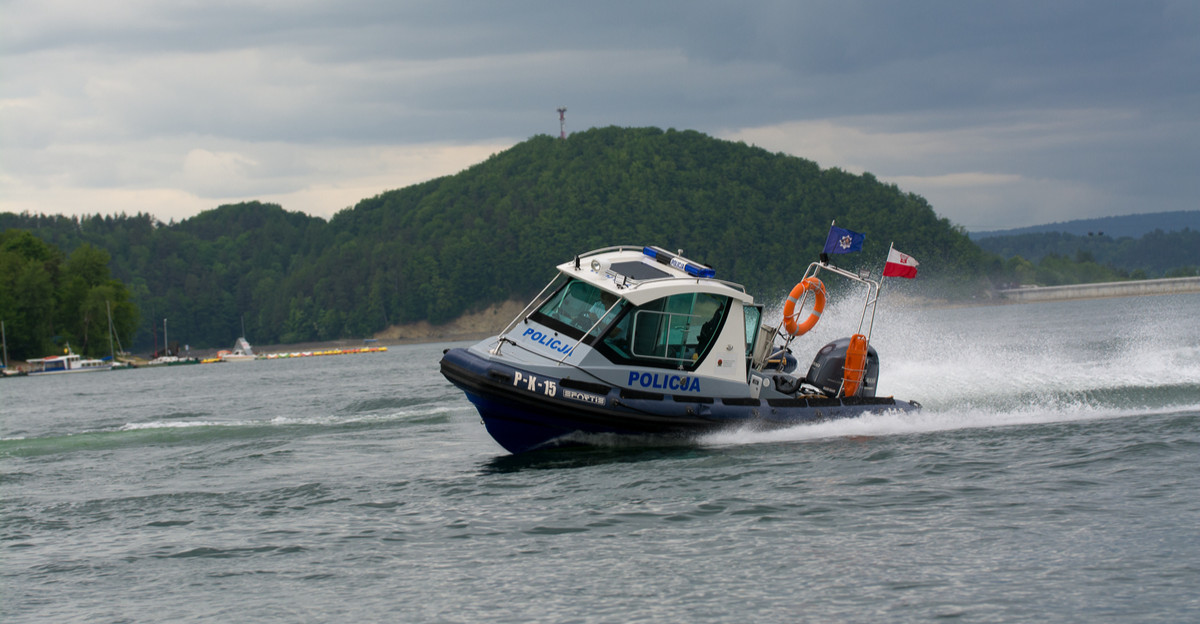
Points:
(1053, 476)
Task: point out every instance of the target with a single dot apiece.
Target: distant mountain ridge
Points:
(492, 233)
(1133, 226)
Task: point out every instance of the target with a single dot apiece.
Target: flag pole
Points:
(825, 256)
(891, 246)
(879, 293)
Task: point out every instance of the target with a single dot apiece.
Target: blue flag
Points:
(842, 240)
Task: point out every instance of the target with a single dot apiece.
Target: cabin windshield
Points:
(576, 307)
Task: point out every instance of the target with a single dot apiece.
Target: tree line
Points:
(50, 301)
(494, 232)
(1154, 254)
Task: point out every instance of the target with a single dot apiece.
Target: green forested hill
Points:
(493, 232)
(759, 218)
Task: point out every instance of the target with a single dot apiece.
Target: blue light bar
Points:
(663, 256)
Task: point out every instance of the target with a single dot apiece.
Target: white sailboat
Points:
(241, 352)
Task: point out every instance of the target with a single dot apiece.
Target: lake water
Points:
(1053, 476)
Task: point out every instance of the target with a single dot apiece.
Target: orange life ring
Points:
(856, 365)
(798, 293)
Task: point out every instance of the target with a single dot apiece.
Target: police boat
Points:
(639, 341)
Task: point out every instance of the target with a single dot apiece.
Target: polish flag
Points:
(900, 265)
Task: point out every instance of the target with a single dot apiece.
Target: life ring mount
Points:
(799, 292)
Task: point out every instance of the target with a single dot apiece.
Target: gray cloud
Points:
(1090, 106)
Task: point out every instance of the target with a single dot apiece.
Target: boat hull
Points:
(89, 369)
(525, 411)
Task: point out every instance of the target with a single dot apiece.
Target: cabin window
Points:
(672, 332)
(576, 307)
(753, 315)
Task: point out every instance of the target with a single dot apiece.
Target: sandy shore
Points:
(474, 326)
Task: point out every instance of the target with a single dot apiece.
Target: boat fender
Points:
(856, 365)
(798, 294)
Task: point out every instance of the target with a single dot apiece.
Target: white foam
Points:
(948, 357)
(177, 424)
(289, 421)
(1026, 365)
(909, 423)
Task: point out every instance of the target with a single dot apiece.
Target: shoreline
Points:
(1102, 290)
(479, 325)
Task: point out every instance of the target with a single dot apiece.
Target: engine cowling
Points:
(828, 366)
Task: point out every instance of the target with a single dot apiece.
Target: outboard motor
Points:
(827, 369)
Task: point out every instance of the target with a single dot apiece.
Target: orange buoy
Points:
(856, 365)
(798, 293)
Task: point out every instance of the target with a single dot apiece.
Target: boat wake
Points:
(173, 430)
(421, 414)
(962, 418)
(1017, 373)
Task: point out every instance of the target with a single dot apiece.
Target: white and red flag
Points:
(900, 265)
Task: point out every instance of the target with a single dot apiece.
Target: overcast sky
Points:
(1002, 114)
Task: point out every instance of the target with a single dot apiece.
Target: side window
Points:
(671, 332)
(753, 317)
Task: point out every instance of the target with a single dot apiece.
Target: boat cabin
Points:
(642, 307)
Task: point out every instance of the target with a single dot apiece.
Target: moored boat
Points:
(241, 352)
(70, 362)
(171, 360)
(641, 341)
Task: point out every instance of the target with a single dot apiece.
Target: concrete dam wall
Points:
(1106, 289)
